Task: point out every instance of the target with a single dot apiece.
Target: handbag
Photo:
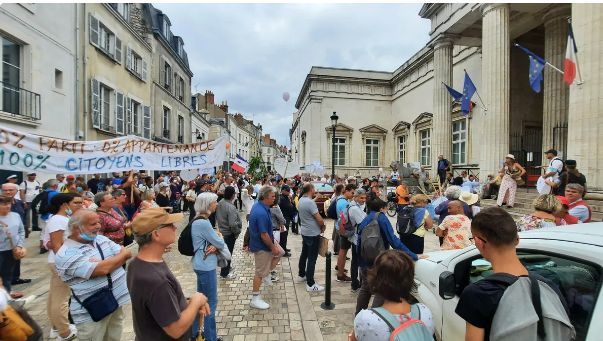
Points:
(223, 256)
(17, 325)
(102, 303)
(323, 246)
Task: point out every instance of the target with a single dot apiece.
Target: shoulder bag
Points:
(101, 303)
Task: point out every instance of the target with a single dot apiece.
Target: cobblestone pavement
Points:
(294, 314)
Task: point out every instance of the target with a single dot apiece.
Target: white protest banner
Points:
(30, 152)
(286, 169)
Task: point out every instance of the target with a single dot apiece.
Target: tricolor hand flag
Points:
(468, 91)
(570, 63)
(240, 165)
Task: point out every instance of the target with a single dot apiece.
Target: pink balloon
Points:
(286, 96)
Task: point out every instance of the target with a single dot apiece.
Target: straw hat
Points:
(469, 198)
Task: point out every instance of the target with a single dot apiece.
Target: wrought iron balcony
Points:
(18, 101)
(166, 133)
(180, 139)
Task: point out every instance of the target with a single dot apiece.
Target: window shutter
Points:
(128, 115)
(95, 102)
(119, 112)
(118, 50)
(94, 30)
(128, 58)
(137, 118)
(162, 72)
(146, 122)
(144, 70)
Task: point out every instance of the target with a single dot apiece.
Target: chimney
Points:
(209, 98)
(224, 106)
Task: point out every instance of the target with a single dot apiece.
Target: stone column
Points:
(441, 135)
(556, 92)
(585, 118)
(495, 87)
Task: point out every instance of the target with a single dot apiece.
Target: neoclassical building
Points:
(407, 115)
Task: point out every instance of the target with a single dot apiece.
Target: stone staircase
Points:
(525, 197)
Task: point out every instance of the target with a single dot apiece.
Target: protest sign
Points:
(30, 152)
(287, 169)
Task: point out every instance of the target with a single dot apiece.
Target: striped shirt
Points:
(75, 263)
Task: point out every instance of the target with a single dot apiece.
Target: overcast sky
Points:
(251, 54)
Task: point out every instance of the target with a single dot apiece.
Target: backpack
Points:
(332, 210)
(42, 199)
(371, 242)
(412, 329)
(406, 222)
(543, 318)
(185, 241)
(345, 225)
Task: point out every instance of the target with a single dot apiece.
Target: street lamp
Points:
(334, 119)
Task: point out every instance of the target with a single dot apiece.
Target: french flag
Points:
(240, 165)
(570, 63)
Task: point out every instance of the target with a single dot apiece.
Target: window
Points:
(105, 108)
(166, 122)
(459, 142)
(146, 122)
(402, 149)
(105, 40)
(11, 75)
(58, 79)
(166, 28)
(136, 65)
(372, 152)
(133, 117)
(339, 151)
(124, 10)
(180, 129)
(167, 76)
(425, 143)
(577, 280)
(181, 89)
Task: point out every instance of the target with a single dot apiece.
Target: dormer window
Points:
(166, 28)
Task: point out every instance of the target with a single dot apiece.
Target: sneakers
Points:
(344, 278)
(315, 288)
(72, 336)
(273, 272)
(54, 334)
(230, 276)
(300, 279)
(337, 269)
(258, 303)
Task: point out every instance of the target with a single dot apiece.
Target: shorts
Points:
(344, 243)
(263, 261)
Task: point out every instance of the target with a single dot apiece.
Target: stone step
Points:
(520, 209)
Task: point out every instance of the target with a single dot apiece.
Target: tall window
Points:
(105, 100)
(425, 136)
(180, 129)
(167, 76)
(136, 116)
(124, 10)
(459, 142)
(339, 151)
(402, 149)
(105, 40)
(372, 152)
(166, 122)
(11, 75)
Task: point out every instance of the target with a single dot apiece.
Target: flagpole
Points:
(569, 20)
(545, 62)
(478, 96)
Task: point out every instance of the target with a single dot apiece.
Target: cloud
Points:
(249, 54)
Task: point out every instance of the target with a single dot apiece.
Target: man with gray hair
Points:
(577, 206)
(160, 308)
(261, 243)
(92, 266)
(355, 214)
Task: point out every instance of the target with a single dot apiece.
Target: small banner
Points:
(36, 153)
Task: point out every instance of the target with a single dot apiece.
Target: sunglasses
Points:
(472, 239)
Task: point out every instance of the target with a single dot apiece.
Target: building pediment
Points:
(401, 126)
(340, 128)
(422, 118)
(373, 129)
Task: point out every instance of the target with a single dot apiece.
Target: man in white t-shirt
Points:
(555, 167)
(29, 189)
(394, 177)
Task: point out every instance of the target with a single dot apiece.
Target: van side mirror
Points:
(447, 285)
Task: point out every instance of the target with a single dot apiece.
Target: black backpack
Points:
(42, 199)
(406, 224)
(332, 210)
(185, 241)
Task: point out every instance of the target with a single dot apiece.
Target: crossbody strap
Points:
(535, 288)
(382, 316)
(109, 280)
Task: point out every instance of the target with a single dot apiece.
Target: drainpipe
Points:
(84, 95)
(77, 76)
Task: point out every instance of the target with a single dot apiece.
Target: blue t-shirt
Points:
(260, 221)
(340, 205)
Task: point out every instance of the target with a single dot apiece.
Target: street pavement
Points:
(294, 313)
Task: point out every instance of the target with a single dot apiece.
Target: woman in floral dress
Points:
(513, 172)
(112, 224)
(545, 207)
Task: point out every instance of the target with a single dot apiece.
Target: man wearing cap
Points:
(555, 168)
(160, 309)
(573, 176)
(67, 187)
(29, 189)
(12, 179)
(87, 262)
(61, 179)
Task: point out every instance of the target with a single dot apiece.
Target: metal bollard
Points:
(327, 304)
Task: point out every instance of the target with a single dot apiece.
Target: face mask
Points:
(86, 236)
(68, 211)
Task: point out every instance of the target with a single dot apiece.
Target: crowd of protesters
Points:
(85, 226)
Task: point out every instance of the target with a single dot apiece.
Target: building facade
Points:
(171, 79)
(407, 115)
